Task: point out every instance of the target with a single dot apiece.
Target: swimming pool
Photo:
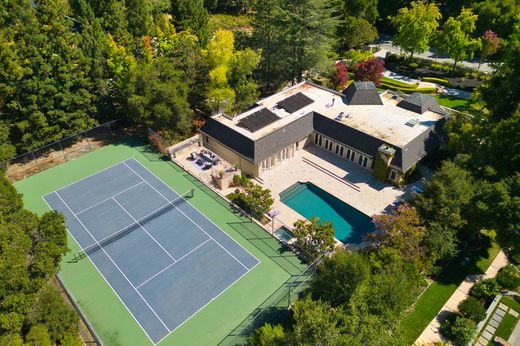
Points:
(309, 200)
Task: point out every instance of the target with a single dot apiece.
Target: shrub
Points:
(413, 65)
(440, 81)
(472, 309)
(509, 277)
(446, 68)
(458, 329)
(241, 180)
(268, 335)
(485, 289)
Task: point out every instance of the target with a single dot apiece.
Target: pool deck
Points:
(345, 180)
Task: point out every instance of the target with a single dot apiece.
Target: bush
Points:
(440, 81)
(472, 309)
(509, 277)
(485, 289)
(446, 68)
(413, 65)
(458, 329)
(241, 180)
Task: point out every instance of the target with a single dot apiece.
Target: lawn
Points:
(453, 102)
(113, 324)
(505, 328)
(436, 295)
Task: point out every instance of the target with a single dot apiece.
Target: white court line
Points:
(130, 224)
(110, 258)
(106, 280)
(144, 229)
(88, 176)
(106, 199)
(194, 207)
(171, 264)
(196, 224)
(211, 300)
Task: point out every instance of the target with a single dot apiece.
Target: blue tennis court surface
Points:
(161, 256)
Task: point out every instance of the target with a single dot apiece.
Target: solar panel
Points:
(258, 120)
(295, 102)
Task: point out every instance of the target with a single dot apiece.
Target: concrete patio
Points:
(343, 179)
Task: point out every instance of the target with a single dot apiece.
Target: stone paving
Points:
(487, 335)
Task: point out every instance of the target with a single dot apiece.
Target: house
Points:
(381, 132)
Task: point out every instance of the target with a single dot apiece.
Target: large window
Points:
(351, 155)
(363, 161)
(393, 175)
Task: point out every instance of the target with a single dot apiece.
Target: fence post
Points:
(36, 161)
(62, 151)
(110, 130)
(88, 142)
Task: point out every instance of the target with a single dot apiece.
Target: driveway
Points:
(387, 46)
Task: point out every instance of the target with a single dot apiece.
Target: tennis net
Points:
(137, 224)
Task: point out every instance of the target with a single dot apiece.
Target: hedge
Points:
(440, 81)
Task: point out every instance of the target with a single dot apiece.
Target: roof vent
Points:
(341, 116)
(412, 122)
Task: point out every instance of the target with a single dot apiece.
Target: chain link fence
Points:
(67, 149)
(274, 309)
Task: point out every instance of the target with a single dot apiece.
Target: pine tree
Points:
(191, 15)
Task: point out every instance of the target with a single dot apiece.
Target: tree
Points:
(458, 329)
(53, 98)
(387, 293)
(339, 76)
(257, 199)
(191, 15)
(231, 87)
(455, 39)
(485, 289)
(138, 15)
(266, 36)
(490, 44)
(7, 150)
(447, 198)
(268, 335)
(401, 230)
(369, 70)
(159, 99)
(499, 208)
(316, 323)
(358, 32)
(338, 277)
(295, 36)
(315, 237)
(502, 92)
(497, 15)
(415, 26)
(38, 336)
(50, 311)
(509, 277)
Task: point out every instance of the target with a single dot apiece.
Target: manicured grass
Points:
(453, 102)
(505, 328)
(513, 304)
(436, 295)
(397, 83)
(110, 319)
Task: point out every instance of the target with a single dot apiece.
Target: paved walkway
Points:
(431, 334)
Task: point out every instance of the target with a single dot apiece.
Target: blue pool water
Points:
(309, 200)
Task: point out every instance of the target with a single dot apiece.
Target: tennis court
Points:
(163, 258)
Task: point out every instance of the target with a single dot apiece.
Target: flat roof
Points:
(387, 122)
